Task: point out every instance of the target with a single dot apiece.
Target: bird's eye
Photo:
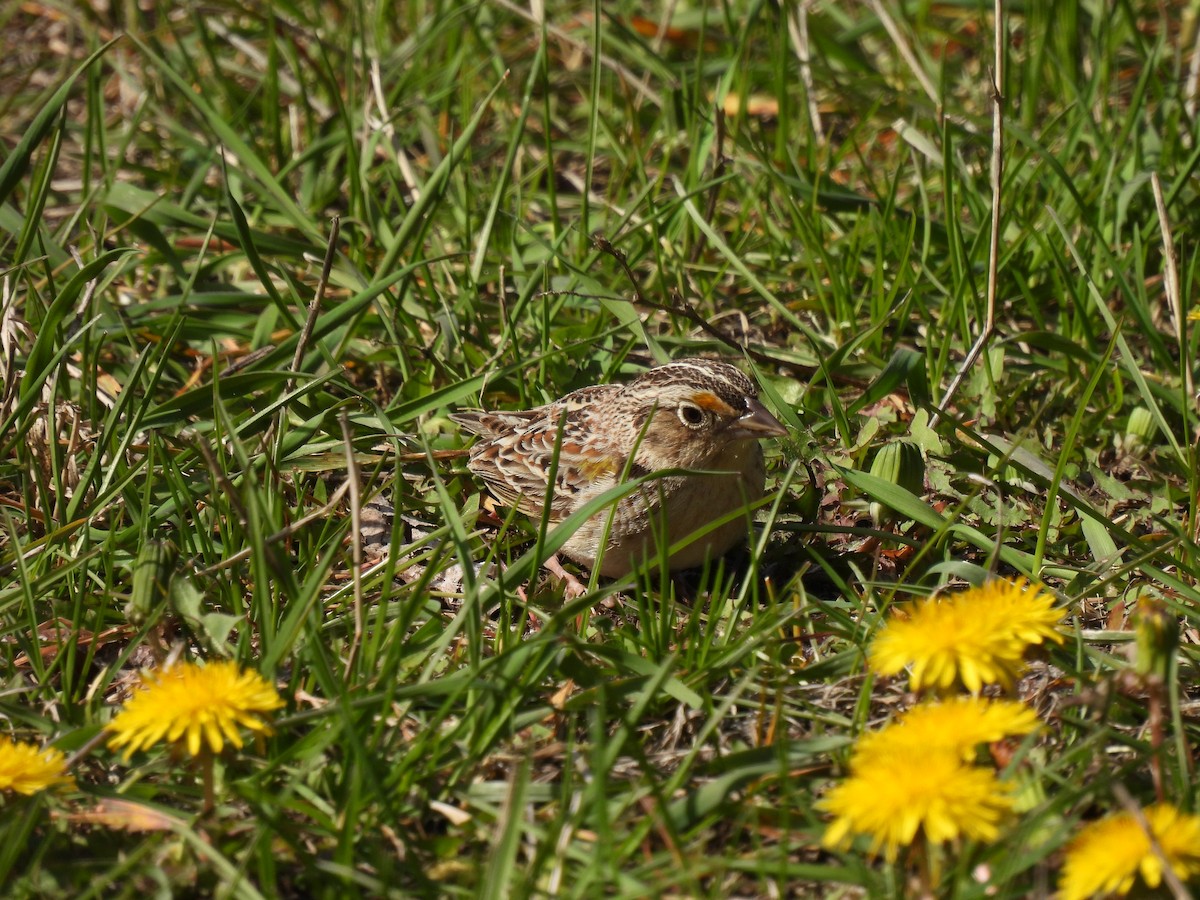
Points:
(691, 416)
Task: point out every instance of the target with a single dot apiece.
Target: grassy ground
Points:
(815, 184)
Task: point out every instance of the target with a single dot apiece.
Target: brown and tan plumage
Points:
(694, 414)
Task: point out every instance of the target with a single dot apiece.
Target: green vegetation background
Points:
(812, 180)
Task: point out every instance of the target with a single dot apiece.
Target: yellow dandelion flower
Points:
(27, 768)
(893, 796)
(190, 705)
(956, 726)
(1107, 856)
(974, 638)
(1029, 613)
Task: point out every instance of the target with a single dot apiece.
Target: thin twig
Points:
(798, 32)
(683, 308)
(306, 331)
(997, 173)
(86, 750)
(718, 171)
(1171, 284)
(384, 124)
(314, 308)
(284, 533)
(356, 549)
(907, 54)
(638, 83)
(223, 484)
(1192, 83)
(260, 59)
(664, 25)
(205, 761)
(418, 456)
(604, 245)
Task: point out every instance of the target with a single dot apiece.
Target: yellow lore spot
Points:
(714, 404)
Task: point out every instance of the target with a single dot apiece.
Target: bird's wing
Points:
(517, 453)
(495, 424)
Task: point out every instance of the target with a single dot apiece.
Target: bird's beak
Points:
(756, 423)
